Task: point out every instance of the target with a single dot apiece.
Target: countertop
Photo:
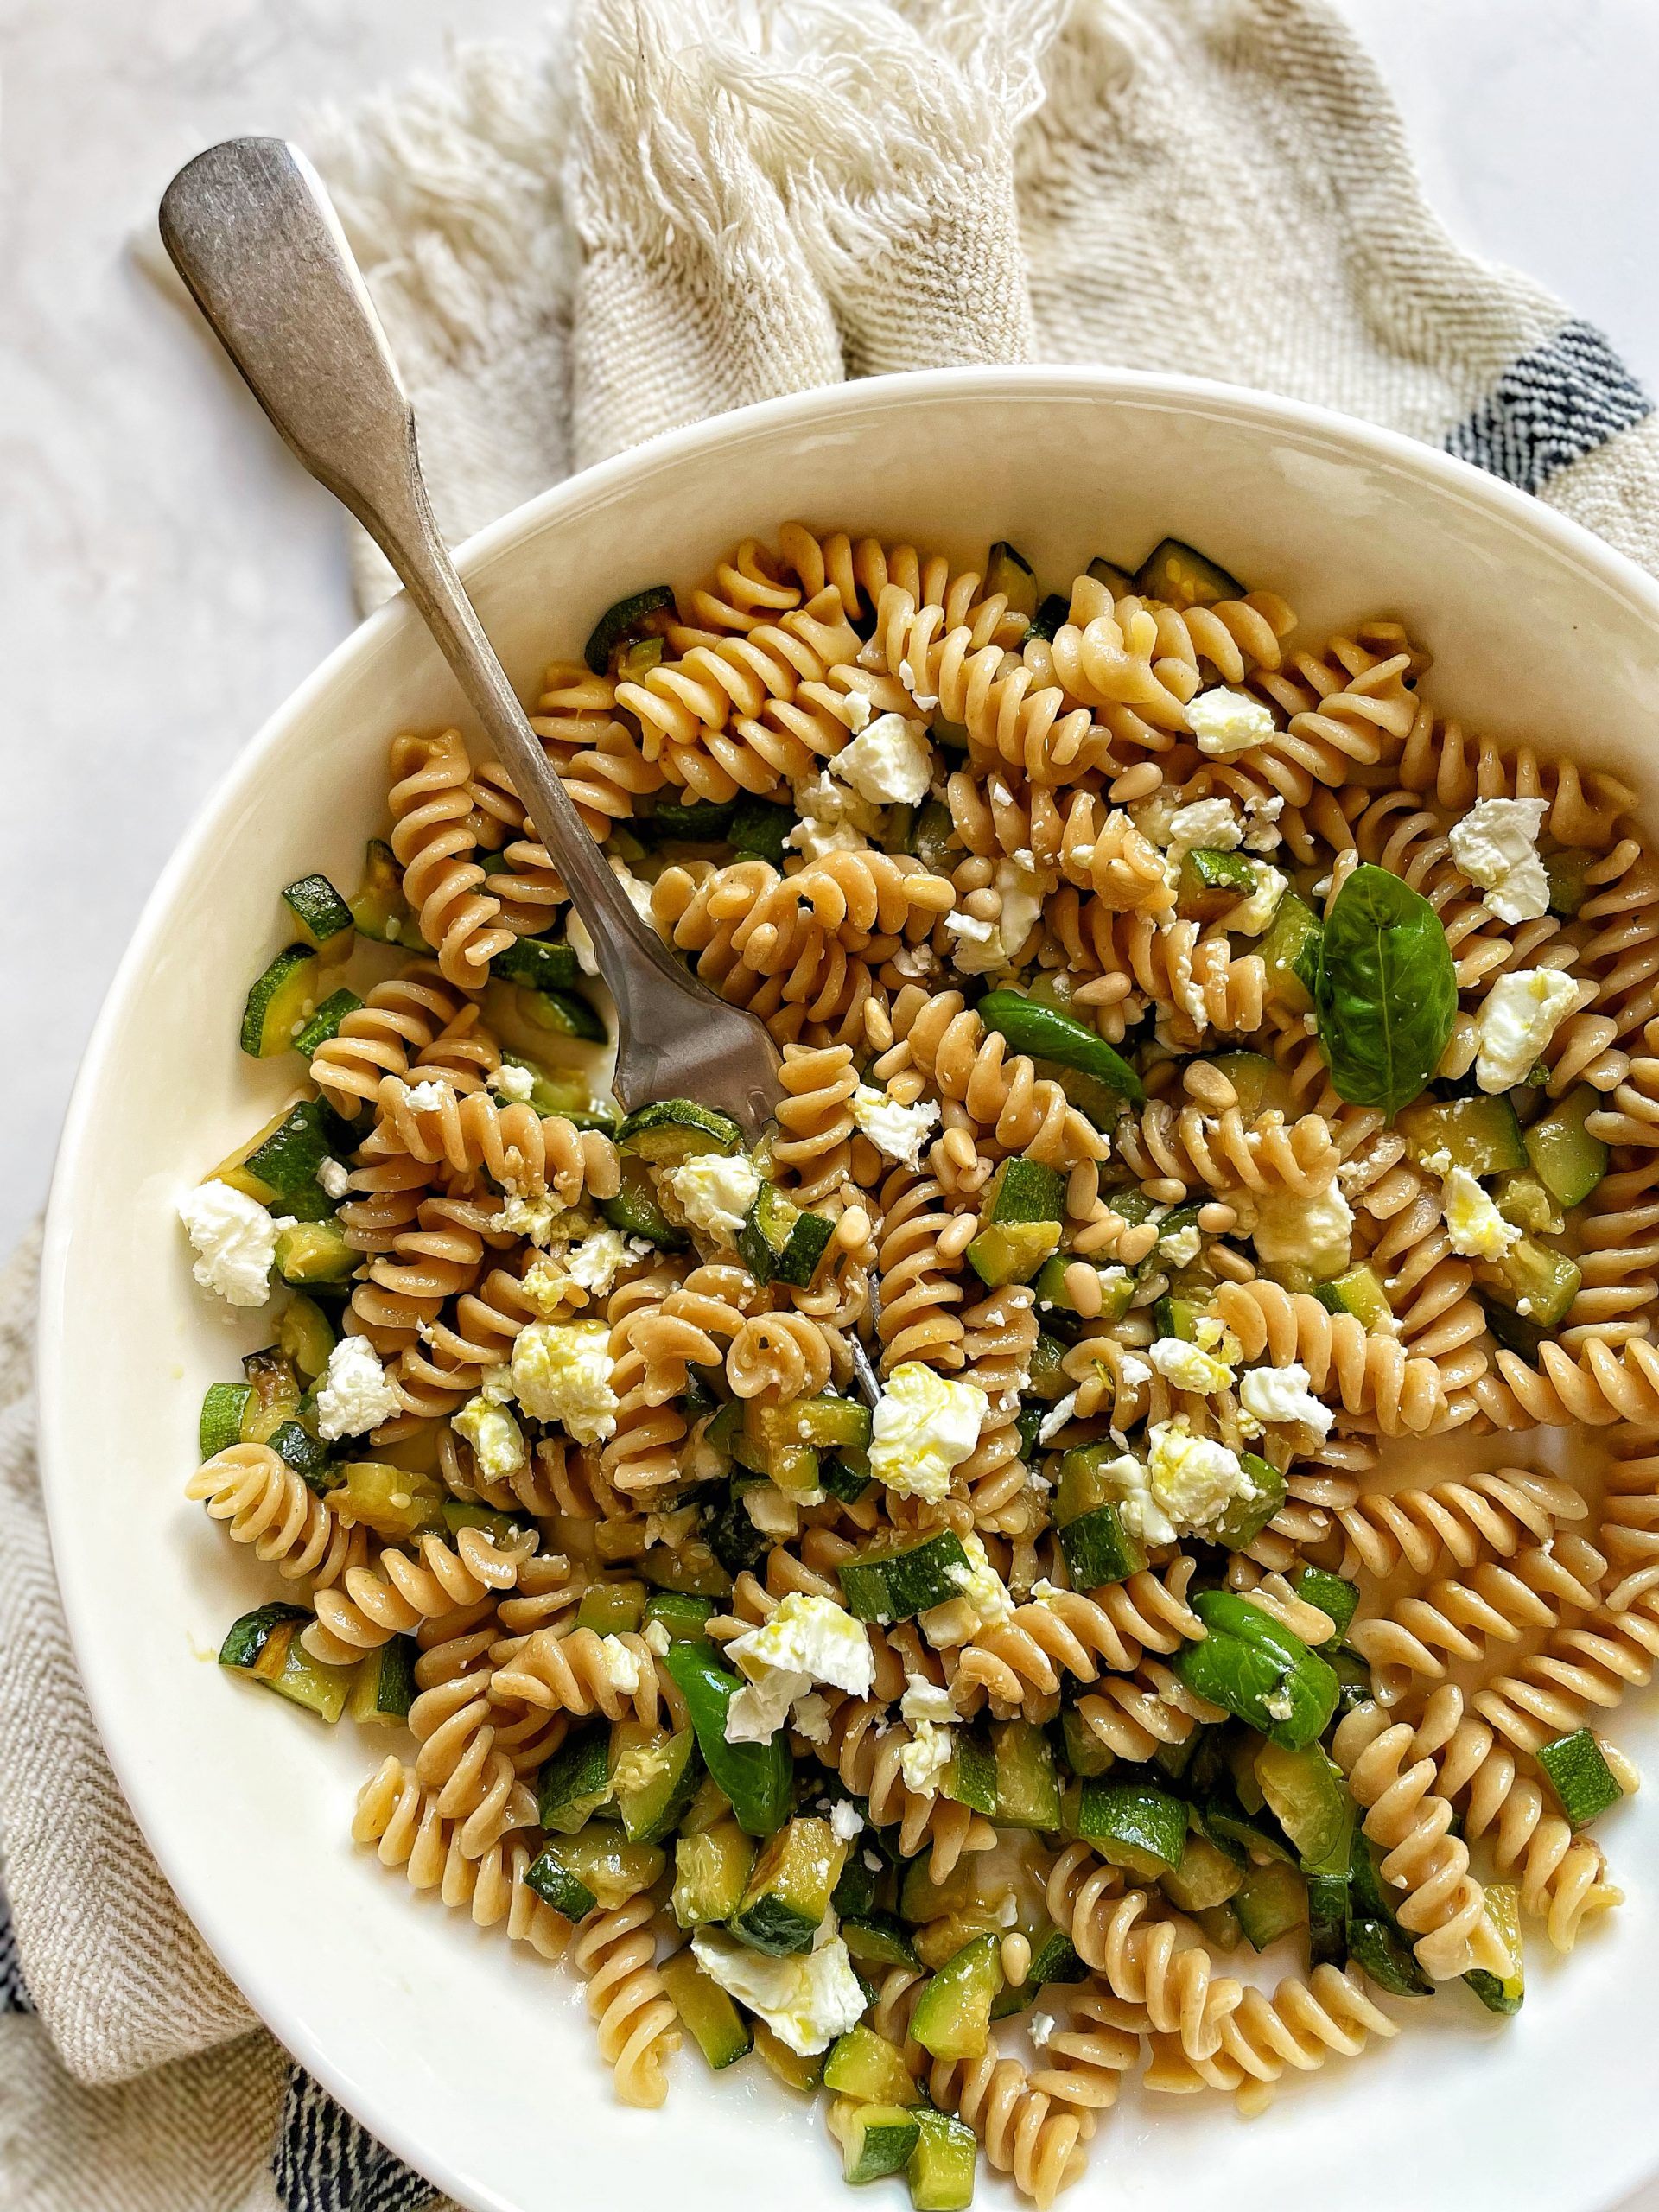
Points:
(170, 575)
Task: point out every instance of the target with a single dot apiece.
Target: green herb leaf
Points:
(1386, 991)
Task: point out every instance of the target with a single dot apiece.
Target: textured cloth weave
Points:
(647, 220)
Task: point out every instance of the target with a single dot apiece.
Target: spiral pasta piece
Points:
(1146, 1961)
(582, 1672)
(433, 840)
(400, 1590)
(1581, 1671)
(1075, 1632)
(1027, 2134)
(261, 1502)
(1498, 1603)
(398, 1020)
(403, 1821)
(1373, 1377)
(1461, 1521)
(1330, 2014)
(1226, 1152)
(638, 2026)
(863, 1747)
(513, 1145)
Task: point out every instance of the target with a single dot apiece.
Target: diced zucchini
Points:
(1259, 1083)
(876, 1939)
(696, 822)
(1027, 1786)
(1047, 1378)
(1480, 1134)
(1569, 1161)
(1378, 1947)
(1537, 1281)
(635, 1212)
(867, 2068)
(383, 1684)
(565, 1014)
(380, 910)
(1579, 1776)
(1212, 881)
(1206, 1877)
(325, 1023)
(324, 919)
(941, 2166)
(970, 1777)
(1307, 1795)
(1012, 1251)
(711, 1871)
(265, 1645)
(1270, 1901)
(1085, 1752)
(779, 1243)
(789, 1889)
(1116, 1294)
(635, 661)
(280, 1002)
(612, 1607)
(541, 964)
(1290, 952)
(222, 1411)
(575, 1782)
(894, 1582)
(275, 1395)
(876, 2140)
(1525, 1201)
(1568, 872)
(1502, 1992)
(1119, 581)
(795, 2072)
(466, 1513)
(279, 1161)
(1248, 1514)
(952, 2018)
(684, 1618)
(1353, 1676)
(654, 1777)
(1023, 1191)
(1359, 1292)
(1181, 576)
(669, 1130)
(1043, 1032)
(718, 2029)
(760, 828)
(1219, 1926)
(639, 613)
(306, 1335)
(1098, 1549)
(1332, 1593)
(314, 1252)
(574, 1873)
(1054, 611)
(310, 1458)
(1053, 1958)
(1134, 1825)
(1008, 571)
(397, 1502)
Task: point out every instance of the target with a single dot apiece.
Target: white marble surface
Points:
(170, 576)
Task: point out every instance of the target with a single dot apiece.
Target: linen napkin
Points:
(665, 209)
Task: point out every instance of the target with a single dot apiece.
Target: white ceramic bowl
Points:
(470, 2060)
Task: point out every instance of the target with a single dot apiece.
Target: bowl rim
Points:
(810, 410)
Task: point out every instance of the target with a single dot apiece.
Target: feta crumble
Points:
(982, 1586)
(924, 1426)
(806, 1998)
(1270, 1393)
(715, 1190)
(1188, 1366)
(619, 1665)
(354, 1392)
(845, 1821)
(985, 948)
(498, 1441)
(513, 1084)
(890, 763)
(235, 1239)
(1225, 722)
(334, 1178)
(424, 1098)
(1495, 845)
(1192, 1479)
(658, 1639)
(925, 1701)
(899, 1131)
(1313, 1231)
(1473, 1222)
(1516, 1018)
(807, 1639)
(562, 1372)
(924, 1759)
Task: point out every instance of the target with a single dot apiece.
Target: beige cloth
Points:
(1213, 186)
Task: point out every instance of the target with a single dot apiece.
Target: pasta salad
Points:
(1217, 1107)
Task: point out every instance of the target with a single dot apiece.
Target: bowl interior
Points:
(467, 2058)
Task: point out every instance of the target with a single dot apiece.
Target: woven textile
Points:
(644, 222)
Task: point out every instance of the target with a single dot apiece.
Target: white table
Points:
(170, 576)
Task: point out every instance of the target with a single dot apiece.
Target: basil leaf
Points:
(1386, 991)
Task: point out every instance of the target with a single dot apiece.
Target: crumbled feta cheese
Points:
(857, 704)
(658, 1639)
(982, 1586)
(833, 819)
(354, 1392)
(1477, 1229)
(235, 1239)
(619, 1665)
(983, 948)
(925, 700)
(1056, 1418)
(498, 1441)
(1279, 1703)
(562, 1372)
(924, 1759)
(1226, 722)
(595, 1261)
(924, 1426)
(1181, 1247)
(1188, 1367)
(335, 1177)
(925, 1701)
(530, 1217)
(512, 1082)
(1263, 833)
(1516, 1018)
(1193, 1478)
(811, 1715)
(1153, 817)
(1253, 915)
(495, 1385)
(1040, 2028)
(547, 1284)
(1132, 1371)
(773, 1511)
(899, 1131)
(1313, 1231)
(890, 763)
(845, 1821)
(715, 1190)
(1125, 1484)
(807, 1639)
(806, 1998)
(1270, 1393)
(1495, 845)
(970, 927)
(1210, 822)
(425, 1097)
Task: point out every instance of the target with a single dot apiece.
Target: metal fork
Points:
(252, 232)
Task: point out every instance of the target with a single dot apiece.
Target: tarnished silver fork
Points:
(253, 234)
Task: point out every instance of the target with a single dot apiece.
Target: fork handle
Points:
(252, 232)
